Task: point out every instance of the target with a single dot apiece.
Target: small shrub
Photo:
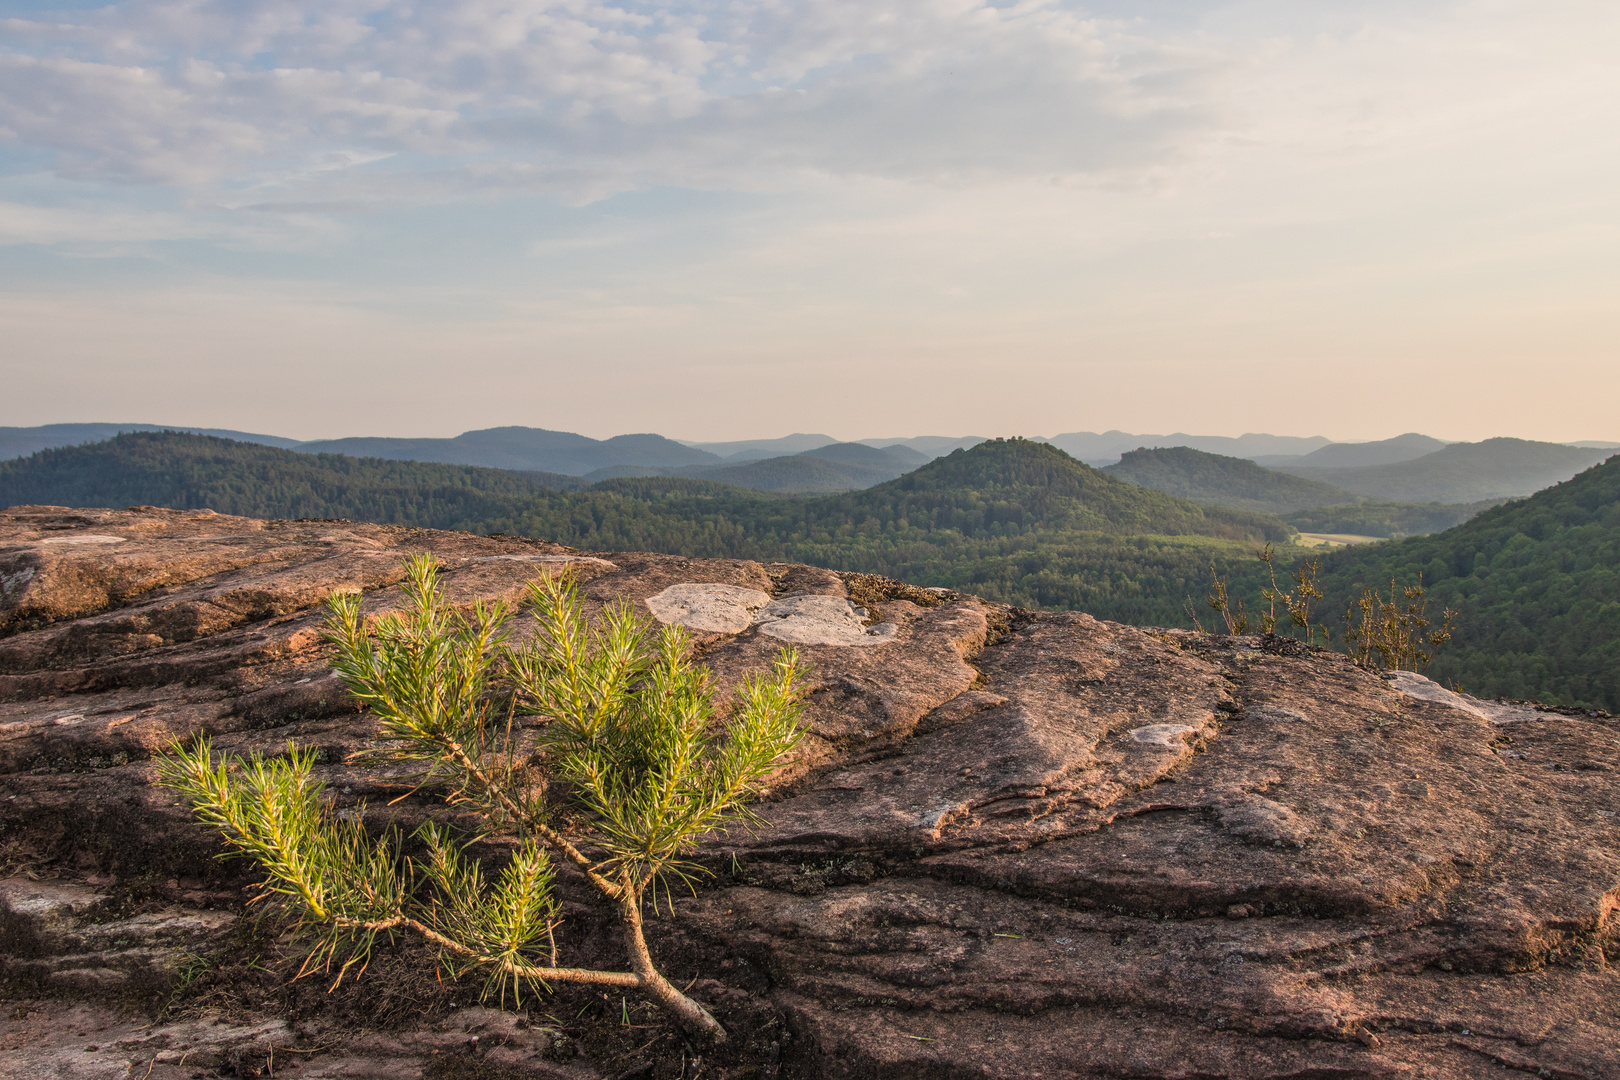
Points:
(1299, 602)
(617, 717)
(1395, 635)
(1236, 619)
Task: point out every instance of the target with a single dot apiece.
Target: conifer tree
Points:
(590, 744)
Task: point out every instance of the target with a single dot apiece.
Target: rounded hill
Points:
(1008, 486)
(1214, 479)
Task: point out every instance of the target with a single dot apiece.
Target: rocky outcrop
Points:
(1013, 844)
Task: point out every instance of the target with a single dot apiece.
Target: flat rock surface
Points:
(1012, 844)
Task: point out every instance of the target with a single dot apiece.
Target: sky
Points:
(740, 219)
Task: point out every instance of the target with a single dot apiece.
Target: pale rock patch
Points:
(1424, 688)
(821, 620)
(714, 609)
(97, 1043)
(802, 620)
(1169, 735)
(76, 950)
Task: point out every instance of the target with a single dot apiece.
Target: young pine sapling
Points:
(589, 744)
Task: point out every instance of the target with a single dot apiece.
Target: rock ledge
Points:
(1014, 844)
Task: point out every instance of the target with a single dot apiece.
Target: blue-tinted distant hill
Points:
(1216, 480)
(1462, 472)
(742, 450)
(524, 448)
(824, 469)
(898, 456)
(21, 441)
(930, 446)
(196, 472)
(1106, 447)
(1356, 455)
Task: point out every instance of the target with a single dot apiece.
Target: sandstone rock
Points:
(85, 1040)
(1065, 848)
(1424, 689)
(717, 609)
(63, 936)
(809, 619)
(821, 620)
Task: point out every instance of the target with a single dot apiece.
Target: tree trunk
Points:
(691, 1016)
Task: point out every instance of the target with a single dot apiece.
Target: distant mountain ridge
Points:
(1354, 455)
(1107, 447)
(742, 450)
(835, 467)
(1462, 472)
(18, 442)
(853, 465)
(930, 446)
(897, 455)
(523, 448)
(1217, 480)
(194, 472)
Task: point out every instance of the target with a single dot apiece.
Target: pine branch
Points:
(626, 725)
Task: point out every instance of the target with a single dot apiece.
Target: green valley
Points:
(1535, 581)
(1013, 520)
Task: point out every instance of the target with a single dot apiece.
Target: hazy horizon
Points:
(694, 440)
(711, 220)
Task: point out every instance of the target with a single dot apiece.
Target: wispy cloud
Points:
(700, 199)
(584, 97)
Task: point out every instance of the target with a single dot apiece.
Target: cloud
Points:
(102, 228)
(585, 97)
(1119, 210)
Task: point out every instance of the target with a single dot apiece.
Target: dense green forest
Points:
(1537, 586)
(797, 474)
(1009, 519)
(1309, 506)
(1387, 519)
(1214, 479)
(189, 472)
(1536, 581)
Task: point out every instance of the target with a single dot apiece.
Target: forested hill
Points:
(1537, 581)
(1008, 519)
(1000, 488)
(1537, 586)
(1213, 479)
(1463, 472)
(186, 472)
(1009, 486)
